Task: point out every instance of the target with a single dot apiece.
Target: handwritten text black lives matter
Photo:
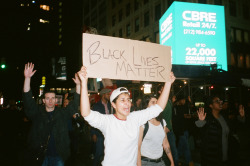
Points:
(143, 66)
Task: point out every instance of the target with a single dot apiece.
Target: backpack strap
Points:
(162, 123)
(145, 130)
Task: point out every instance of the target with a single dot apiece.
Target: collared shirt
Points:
(106, 107)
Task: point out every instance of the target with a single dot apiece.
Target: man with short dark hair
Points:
(49, 123)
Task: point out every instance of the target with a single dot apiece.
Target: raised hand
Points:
(171, 77)
(83, 74)
(201, 114)
(77, 79)
(28, 70)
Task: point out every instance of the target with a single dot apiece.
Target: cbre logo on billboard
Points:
(196, 34)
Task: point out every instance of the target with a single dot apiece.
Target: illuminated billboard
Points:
(196, 34)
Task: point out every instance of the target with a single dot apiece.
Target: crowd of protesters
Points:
(212, 129)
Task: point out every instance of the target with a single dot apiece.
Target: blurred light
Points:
(33, 1)
(22, 4)
(147, 88)
(43, 21)
(212, 87)
(1, 101)
(185, 82)
(3, 66)
(98, 79)
(226, 88)
(44, 7)
(201, 87)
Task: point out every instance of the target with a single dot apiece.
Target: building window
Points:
(240, 61)
(238, 36)
(44, 7)
(146, 19)
(136, 4)
(232, 36)
(137, 24)
(128, 30)
(120, 32)
(232, 8)
(218, 2)
(247, 61)
(157, 12)
(113, 20)
(245, 11)
(202, 1)
(120, 15)
(128, 9)
(233, 61)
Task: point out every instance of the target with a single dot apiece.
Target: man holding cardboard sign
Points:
(121, 129)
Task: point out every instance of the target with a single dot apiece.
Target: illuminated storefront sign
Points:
(196, 34)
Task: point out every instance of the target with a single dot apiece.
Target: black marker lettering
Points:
(93, 56)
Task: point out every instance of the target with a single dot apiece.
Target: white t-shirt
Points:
(121, 136)
(152, 143)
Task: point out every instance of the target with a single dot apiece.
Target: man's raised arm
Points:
(28, 73)
(84, 100)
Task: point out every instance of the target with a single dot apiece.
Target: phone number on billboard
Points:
(198, 32)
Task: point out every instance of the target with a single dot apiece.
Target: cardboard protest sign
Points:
(125, 59)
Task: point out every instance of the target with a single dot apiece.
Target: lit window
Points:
(28, 4)
(60, 43)
(43, 21)
(60, 36)
(28, 29)
(60, 29)
(60, 3)
(240, 61)
(60, 16)
(22, 4)
(60, 23)
(44, 7)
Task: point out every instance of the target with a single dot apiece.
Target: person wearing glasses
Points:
(121, 129)
(215, 132)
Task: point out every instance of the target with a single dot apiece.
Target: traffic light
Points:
(3, 66)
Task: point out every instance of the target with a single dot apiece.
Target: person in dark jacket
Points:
(49, 123)
(215, 133)
(104, 107)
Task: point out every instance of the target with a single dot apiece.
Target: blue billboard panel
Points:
(196, 34)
